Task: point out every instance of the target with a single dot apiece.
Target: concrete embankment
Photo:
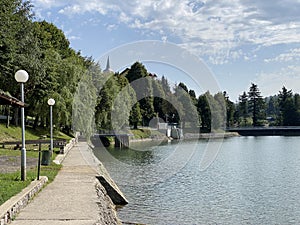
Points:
(75, 196)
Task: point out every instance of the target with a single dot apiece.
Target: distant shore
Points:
(163, 137)
(189, 136)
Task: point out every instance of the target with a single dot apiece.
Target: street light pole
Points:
(51, 102)
(21, 77)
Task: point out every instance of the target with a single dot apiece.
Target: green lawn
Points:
(10, 183)
(14, 133)
(146, 133)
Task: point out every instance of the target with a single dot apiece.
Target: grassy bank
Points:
(147, 133)
(10, 182)
(14, 133)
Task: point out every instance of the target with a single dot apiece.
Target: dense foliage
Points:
(92, 100)
(44, 52)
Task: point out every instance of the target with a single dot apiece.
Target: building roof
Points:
(6, 99)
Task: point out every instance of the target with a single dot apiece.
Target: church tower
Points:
(108, 69)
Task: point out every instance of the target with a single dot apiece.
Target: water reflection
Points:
(252, 181)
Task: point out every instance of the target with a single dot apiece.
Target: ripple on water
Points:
(252, 181)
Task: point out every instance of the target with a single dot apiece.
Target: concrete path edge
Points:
(12, 207)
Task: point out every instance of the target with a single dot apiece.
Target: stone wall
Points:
(107, 209)
(12, 207)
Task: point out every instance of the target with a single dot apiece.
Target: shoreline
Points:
(109, 184)
(159, 138)
(190, 136)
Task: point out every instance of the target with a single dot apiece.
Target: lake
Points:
(253, 180)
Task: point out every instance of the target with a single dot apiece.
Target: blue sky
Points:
(239, 41)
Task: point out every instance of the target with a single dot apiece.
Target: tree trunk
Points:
(16, 117)
(36, 122)
(8, 116)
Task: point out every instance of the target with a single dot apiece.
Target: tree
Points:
(84, 103)
(165, 85)
(230, 109)
(121, 109)
(193, 96)
(190, 113)
(159, 96)
(243, 107)
(173, 110)
(15, 40)
(104, 104)
(142, 85)
(135, 115)
(256, 105)
(218, 111)
(183, 86)
(204, 112)
(288, 112)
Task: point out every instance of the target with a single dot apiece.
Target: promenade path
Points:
(74, 197)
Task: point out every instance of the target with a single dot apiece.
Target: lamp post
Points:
(21, 77)
(51, 102)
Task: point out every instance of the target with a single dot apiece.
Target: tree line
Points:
(154, 99)
(282, 109)
(139, 98)
(54, 68)
(133, 97)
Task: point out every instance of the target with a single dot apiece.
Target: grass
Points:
(14, 133)
(146, 133)
(141, 133)
(10, 183)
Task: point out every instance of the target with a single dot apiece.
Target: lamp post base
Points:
(23, 164)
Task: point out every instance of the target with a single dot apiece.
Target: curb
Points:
(12, 207)
(60, 158)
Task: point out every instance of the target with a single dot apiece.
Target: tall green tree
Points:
(15, 40)
(272, 106)
(142, 85)
(190, 114)
(85, 100)
(165, 85)
(193, 96)
(159, 96)
(230, 109)
(135, 115)
(288, 111)
(105, 102)
(243, 107)
(256, 105)
(218, 110)
(204, 112)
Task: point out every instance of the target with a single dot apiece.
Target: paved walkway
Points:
(72, 197)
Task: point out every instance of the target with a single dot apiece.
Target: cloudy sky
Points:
(240, 41)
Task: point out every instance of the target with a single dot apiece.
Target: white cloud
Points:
(291, 56)
(272, 83)
(46, 4)
(212, 28)
(111, 27)
(73, 37)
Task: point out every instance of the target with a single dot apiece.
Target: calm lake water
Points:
(253, 180)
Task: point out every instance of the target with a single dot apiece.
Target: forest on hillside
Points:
(100, 101)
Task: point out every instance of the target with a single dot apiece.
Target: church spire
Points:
(108, 69)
